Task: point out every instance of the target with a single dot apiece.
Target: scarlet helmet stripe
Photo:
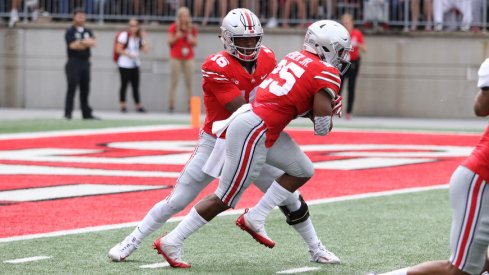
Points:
(249, 20)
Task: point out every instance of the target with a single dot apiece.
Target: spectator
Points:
(182, 37)
(209, 6)
(301, 12)
(14, 12)
(427, 14)
(440, 7)
(129, 45)
(477, 8)
(139, 7)
(79, 41)
(64, 5)
(272, 21)
(358, 45)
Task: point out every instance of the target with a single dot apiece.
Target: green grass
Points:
(36, 125)
(373, 234)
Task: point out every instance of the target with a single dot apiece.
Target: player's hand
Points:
(337, 105)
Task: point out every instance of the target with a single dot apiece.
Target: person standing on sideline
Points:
(79, 41)
(469, 237)
(129, 44)
(14, 12)
(182, 38)
(358, 45)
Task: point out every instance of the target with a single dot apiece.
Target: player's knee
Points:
(307, 171)
(176, 205)
(298, 216)
(177, 202)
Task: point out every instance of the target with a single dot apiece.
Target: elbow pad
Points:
(322, 125)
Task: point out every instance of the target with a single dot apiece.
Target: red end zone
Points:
(347, 163)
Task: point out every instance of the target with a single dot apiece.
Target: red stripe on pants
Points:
(470, 222)
(244, 164)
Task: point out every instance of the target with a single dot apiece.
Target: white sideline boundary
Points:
(298, 270)
(26, 260)
(227, 213)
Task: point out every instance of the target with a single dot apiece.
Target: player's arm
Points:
(89, 42)
(322, 112)
(235, 103)
(73, 43)
(481, 106)
(77, 45)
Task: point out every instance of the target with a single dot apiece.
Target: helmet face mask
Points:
(331, 42)
(242, 34)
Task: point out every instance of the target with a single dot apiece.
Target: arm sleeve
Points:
(69, 36)
(224, 91)
(327, 79)
(122, 38)
(483, 74)
(172, 28)
(360, 38)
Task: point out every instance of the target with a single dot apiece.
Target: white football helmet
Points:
(241, 23)
(331, 42)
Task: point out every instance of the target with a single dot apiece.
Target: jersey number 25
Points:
(287, 71)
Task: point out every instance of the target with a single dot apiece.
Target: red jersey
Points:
(289, 90)
(478, 161)
(181, 49)
(356, 38)
(224, 78)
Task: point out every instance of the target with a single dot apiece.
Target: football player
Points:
(304, 82)
(230, 78)
(469, 236)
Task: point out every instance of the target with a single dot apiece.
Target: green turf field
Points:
(371, 234)
(37, 125)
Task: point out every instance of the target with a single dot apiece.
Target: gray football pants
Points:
(192, 180)
(246, 155)
(469, 236)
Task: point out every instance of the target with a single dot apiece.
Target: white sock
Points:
(308, 233)
(154, 220)
(397, 272)
(274, 196)
(189, 225)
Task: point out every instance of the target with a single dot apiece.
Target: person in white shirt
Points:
(130, 44)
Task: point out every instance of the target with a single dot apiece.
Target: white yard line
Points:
(25, 260)
(298, 270)
(227, 213)
(155, 265)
